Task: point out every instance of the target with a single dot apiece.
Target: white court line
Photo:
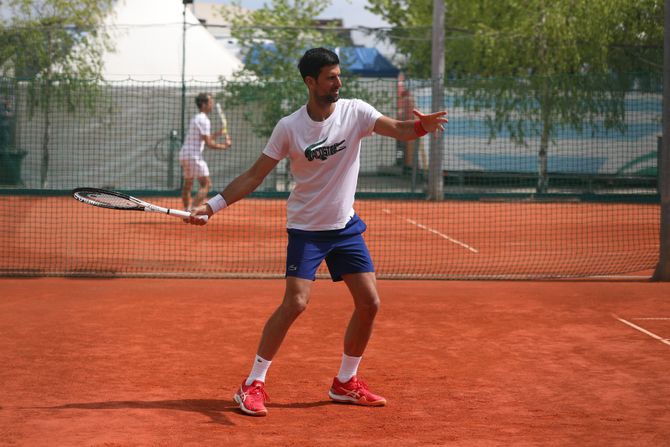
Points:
(423, 227)
(643, 330)
(652, 318)
(631, 277)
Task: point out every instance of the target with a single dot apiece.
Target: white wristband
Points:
(217, 203)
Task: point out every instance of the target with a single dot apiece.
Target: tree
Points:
(56, 47)
(273, 38)
(411, 22)
(538, 64)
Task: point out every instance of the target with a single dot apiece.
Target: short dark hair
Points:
(202, 99)
(314, 60)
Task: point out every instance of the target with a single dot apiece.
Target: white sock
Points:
(348, 368)
(259, 370)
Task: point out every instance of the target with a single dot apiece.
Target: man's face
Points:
(327, 85)
(208, 106)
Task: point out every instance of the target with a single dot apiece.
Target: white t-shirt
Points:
(194, 144)
(325, 160)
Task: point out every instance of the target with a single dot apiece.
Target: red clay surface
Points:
(409, 239)
(134, 362)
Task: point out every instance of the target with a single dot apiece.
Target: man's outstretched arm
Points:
(240, 187)
(411, 129)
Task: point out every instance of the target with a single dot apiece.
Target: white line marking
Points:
(652, 318)
(631, 277)
(423, 227)
(643, 330)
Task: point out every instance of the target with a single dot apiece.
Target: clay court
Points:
(127, 330)
(138, 362)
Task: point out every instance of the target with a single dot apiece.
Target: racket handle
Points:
(186, 214)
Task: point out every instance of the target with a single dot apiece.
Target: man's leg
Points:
(346, 387)
(363, 288)
(251, 395)
(186, 193)
(205, 185)
(294, 303)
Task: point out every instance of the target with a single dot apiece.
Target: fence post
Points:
(435, 178)
(662, 272)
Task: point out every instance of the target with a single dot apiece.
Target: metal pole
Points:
(435, 177)
(662, 272)
(183, 77)
(182, 136)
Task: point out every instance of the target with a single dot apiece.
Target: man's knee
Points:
(296, 295)
(295, 302)
(205, 182)
(368, 308)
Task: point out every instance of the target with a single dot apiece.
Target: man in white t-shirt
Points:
(190, 156)
(322, 140)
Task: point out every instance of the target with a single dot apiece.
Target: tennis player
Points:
(192, 162)
(322, 139)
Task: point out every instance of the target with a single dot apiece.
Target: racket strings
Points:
(106, 200)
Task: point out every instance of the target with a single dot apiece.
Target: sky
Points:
(352, 12)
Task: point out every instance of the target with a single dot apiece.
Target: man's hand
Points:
(431, 122)
(202, 210)
(229, 141)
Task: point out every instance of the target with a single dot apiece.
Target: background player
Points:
(190, 156)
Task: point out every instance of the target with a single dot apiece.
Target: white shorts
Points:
(194, 167)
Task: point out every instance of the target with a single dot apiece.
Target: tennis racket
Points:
(119, 201)
(224, 121)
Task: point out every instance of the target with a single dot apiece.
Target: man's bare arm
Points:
(246, 183)
(240, 187)
(406, 130)
(212, 144)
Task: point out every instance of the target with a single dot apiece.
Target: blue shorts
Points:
(344, 251)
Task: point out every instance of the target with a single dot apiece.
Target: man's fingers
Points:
(197, 219)
(437, 116)
(417, 113)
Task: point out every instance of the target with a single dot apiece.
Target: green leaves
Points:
(270, 85)
(534, 66)
(53, 38)
(56, 46)
(289, 25)
(276, 36)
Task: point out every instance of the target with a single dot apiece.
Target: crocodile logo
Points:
(317, 151)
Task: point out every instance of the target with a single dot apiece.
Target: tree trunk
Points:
(44, 171)
(543, 177)
(46, 91)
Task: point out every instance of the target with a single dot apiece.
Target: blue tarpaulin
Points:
(364, 62)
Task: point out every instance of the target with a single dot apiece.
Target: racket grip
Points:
(186, 215)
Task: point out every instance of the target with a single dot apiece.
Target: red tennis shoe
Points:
(354, 392)
(252, 398)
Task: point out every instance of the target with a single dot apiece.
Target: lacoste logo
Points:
(316, 151)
